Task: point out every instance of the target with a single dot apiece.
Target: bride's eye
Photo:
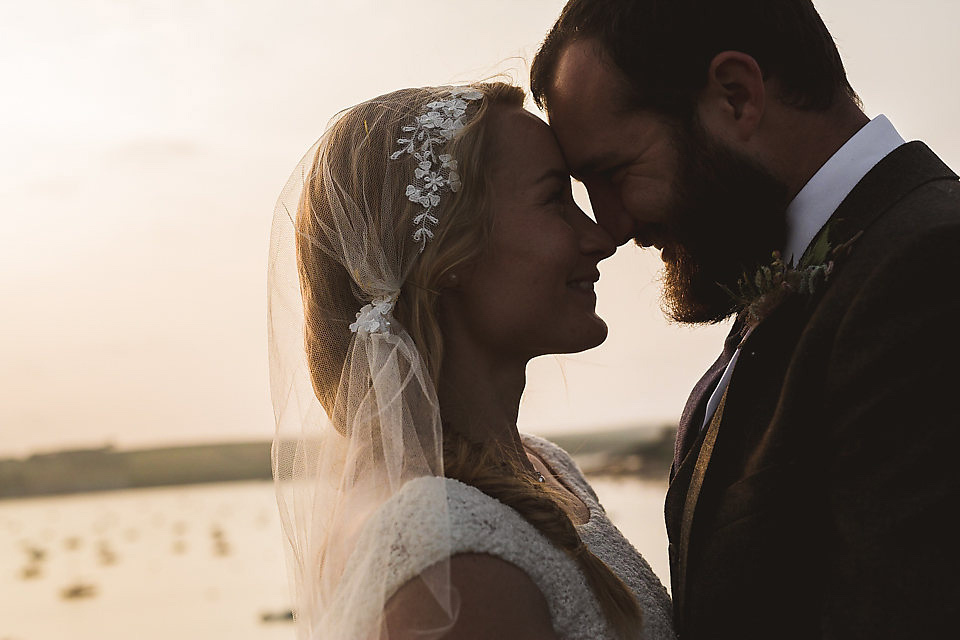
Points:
(560, 197)
(555, 199)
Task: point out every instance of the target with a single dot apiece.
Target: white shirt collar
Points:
(824, 192)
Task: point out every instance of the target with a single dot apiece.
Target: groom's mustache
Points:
(654, 235)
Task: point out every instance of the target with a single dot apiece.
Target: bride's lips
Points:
(582, 284)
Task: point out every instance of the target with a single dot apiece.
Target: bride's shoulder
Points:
(434, 518)
(488, 544)
(489, 552)
(484, 583)
(428, 505)
(430, 520)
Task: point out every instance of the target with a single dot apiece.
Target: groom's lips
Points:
(652, 236)
(656, 237)
(658, 244)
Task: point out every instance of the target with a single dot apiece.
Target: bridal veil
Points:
(356, 410)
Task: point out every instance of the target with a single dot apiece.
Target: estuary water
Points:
(190, 563)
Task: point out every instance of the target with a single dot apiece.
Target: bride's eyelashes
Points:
(561, 197)
(557, 197)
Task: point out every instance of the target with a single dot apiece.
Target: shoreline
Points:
(643, 452)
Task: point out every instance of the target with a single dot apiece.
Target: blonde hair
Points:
(332, 296)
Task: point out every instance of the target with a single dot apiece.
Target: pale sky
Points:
(143, 144)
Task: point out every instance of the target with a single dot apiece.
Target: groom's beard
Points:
(727, 218)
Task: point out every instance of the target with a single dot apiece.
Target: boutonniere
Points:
(765, 290)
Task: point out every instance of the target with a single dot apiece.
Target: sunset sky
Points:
(142, 147)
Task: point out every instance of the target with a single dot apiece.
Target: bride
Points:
(424, 250)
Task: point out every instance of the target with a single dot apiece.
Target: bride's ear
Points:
(450, 281)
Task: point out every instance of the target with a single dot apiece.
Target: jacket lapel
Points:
(691, 420)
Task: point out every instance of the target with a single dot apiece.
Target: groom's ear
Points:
(732, 103)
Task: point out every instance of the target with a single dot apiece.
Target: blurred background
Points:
(142, 146)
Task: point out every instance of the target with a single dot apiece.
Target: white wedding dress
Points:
(401, 538)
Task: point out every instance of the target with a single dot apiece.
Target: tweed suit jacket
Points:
(828, 505)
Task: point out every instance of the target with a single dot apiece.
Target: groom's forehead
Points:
(586, 75)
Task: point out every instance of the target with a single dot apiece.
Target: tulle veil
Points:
(357, 417)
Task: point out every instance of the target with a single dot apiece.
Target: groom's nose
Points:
(609, 212)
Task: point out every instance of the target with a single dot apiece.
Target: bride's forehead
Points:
(517, 119)
(521, 138)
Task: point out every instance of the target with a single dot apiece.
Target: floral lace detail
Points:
(435, 172)
(374, 317)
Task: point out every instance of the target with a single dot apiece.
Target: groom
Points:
(815, 488)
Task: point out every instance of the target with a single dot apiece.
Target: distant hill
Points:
(641, 451)
(638, 451)
(83, 470)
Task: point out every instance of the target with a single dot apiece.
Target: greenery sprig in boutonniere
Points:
(760, 294)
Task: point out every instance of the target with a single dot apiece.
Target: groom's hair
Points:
(664, 48)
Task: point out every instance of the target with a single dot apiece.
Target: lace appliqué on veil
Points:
(374, 317)
(435, 172)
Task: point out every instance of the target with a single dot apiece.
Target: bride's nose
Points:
(594, 239)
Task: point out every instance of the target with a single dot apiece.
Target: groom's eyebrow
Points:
(552, 174)
(593, 166)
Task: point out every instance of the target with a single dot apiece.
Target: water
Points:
(189, 563)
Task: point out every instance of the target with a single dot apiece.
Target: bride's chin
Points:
(591, 335)
(601, 332)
